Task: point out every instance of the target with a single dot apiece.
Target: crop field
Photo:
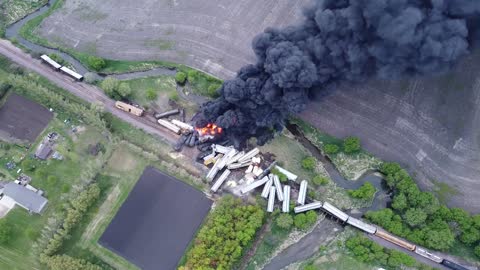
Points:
(22, 120)
(430, 125)
(170, 213)
(209, 35)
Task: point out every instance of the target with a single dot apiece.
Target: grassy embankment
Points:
(352, 165)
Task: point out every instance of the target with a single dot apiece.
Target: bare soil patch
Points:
(22, 119)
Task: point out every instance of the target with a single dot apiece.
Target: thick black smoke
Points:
(339, 40)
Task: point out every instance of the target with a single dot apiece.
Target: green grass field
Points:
(17, 9)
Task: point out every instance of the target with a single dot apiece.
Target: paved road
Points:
(84, 91)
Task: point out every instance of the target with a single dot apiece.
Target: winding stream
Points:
(12, 32)
(381, 198)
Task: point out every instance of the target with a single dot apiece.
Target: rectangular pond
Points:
(156, 223)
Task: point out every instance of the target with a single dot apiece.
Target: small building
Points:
(43, 151)
(25, 197)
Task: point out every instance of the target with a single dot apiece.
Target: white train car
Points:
(254, 185)
(278, 187)
(362, 225)
(266, 188)
(307, 207)
(72, 73)
(271, 200)
(50, 62)
(302, 194)
(424, 253)
(286, 199)
(220, 180)
(335, 211)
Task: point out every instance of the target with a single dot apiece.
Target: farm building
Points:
(43, 151)
(25, 197)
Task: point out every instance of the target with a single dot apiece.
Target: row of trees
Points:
(301, 221)
(421, 218)
(65, 262)
(365, 250)
(24, 85)
(116, 89)
(52, 239)
(228, 230)
(350, 145)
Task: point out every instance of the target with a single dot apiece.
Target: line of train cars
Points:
(368, 228)
(49, 61)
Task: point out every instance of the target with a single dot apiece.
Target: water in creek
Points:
(12, 32)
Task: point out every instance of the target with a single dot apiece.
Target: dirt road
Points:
(84, 91)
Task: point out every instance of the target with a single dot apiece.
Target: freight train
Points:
(49, 61)
(371, 229)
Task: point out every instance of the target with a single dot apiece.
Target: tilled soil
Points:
(211, 35)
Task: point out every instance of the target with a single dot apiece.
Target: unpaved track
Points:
(211, 35)
(84, 91)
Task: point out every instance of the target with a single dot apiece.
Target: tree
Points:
(151, 94)
(365, 192)
(320, 180)
(90, 77)
(180, 77)
(399, 202)
(5, 231)
(415, 217)
(331, 149)
(477, 251)
(65, 262)
(285, 221)
(309, 163)
(124, 90)
(110, 86)
(96, 63)
(351, 145)
(212, 90)
(300, 221)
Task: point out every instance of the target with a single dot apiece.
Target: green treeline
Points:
(419, 216)
(222, 239)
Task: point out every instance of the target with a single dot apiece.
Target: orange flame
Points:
(209, 129)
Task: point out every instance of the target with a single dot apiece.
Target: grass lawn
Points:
(67, 173)
(163, 86)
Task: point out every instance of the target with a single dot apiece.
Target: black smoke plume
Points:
(339, 40)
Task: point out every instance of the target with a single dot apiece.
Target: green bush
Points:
(192, 75)
(174, 96)
(180, 77)
(110, 87)
(284, 221)
(310, 267)
(282, 177)
(331, 149)
(309, 163)
(477, 251)
(351, 145)
(212, 90)
(52, 180)
(57, 58)
(96, 63)
(365, 192)
(151, 94)
(304, 221)
(320, 180)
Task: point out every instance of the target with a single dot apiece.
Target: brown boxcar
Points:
(129, 108)
(393, 239)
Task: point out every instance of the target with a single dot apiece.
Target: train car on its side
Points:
(453, 265)
(424, 253)
(361, 225)
(334, 211)
(129, 108)
(395, 240)
(72, 73)
(46, 59)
